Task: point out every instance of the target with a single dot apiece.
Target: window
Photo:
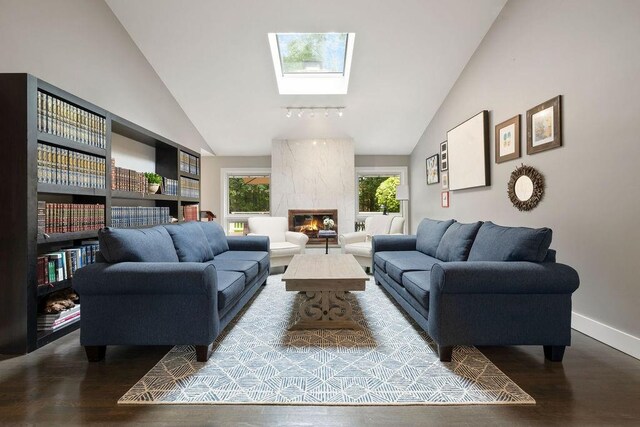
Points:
(312, 63)
(376, 190)
(246, 194)
(312, 52)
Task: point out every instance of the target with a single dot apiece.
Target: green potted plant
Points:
(154, 181)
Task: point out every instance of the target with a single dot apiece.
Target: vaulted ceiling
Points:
(214, 58)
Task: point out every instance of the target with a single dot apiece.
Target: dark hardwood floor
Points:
(595, 385)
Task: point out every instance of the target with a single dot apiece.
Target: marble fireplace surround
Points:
(314, 175)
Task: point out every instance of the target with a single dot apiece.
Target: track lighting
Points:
(311, 111)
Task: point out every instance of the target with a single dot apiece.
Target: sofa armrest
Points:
(488, 277)
(147, 278)
(348, 238)
(296, 238)
(248, 243)
(386, 242)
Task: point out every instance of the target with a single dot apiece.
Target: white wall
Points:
(586, 51)
(80, 46)
(131, 154)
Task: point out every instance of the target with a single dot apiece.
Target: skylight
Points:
(312, 63)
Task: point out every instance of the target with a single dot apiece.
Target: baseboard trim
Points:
(612, 337)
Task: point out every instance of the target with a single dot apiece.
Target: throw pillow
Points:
(429, 234)
(215, 236)
(190, 242)
(133, 245)
(496, 243)
(456, 241)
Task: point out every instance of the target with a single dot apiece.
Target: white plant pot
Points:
(153, 188)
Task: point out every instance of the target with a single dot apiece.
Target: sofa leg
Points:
(554, 353)
(95, 353)
(445, 352)
(202, 353)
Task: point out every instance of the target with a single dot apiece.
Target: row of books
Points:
(189, 163)
(61, 265)
(69, 217)
(191, 212)
(169, 187)
(189, 187)
(123, 179)
(52, 322)
(138, 216)
(66, 167)
(60, 118)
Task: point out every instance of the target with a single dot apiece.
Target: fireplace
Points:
(309, 222)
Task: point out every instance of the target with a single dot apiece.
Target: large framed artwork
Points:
(433, 176)
(468, 153)
(544, 126)
(507, 140)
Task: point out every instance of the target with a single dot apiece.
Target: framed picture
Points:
(468, 153)
(507, 140)
(444, 161)
(445, 180)
(544, 126)
(433, 174)
(444, 199)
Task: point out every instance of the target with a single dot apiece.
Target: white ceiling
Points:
(214, 58)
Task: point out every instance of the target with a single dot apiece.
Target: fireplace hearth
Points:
(309, 222)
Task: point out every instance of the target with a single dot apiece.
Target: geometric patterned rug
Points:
(257, 360)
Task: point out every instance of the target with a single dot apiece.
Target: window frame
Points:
(225, 174)
(401, 171)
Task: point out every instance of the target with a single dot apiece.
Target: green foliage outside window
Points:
(375, 191)
(244, 196)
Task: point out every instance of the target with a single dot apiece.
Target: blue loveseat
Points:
(178, 284)
(479, 284)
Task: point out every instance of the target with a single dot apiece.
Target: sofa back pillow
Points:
(496, 243)
(132, 245)
(190, 242)
(429, 234)
(457, 241)
(215, 236)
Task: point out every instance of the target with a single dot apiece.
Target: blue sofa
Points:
(167, 285)
(479, 284)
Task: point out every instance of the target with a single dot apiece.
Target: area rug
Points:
(256, 360)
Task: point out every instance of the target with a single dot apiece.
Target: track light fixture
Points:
(311, 111)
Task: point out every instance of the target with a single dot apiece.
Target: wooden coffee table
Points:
(324, 279)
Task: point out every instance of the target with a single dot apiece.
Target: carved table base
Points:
(325, 310)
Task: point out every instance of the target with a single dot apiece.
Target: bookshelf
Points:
(81, 147)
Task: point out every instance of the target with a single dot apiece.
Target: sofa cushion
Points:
(230, 286)
(429, 234)
(278, 249)
(132, 245)
(380, 260)
(190, 242)
(404, 261)
(215, 236)
(496, 243)
(418, 284)
(362, 249)
(262, 258)
(456, 241)
(248, 268)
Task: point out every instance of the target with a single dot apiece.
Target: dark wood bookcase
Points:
(20, 243)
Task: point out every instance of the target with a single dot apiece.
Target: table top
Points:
(327, 233)
(332, 272)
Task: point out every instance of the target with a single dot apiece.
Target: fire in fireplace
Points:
(310, 221)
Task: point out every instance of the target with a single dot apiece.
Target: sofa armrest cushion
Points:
(215, 236)
(248, 243)
(146, 278)
(190, 242)
(296, 238)
(429, 234)
(132, 245)
(394, 242)
(490, 277)
(348, 238)
(456, 241)
(496, 243)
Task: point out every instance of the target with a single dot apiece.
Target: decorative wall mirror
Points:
(525, 188)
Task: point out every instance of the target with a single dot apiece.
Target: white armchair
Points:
(359, 243)
(283, 244)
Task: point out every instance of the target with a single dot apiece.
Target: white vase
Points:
(153, 188)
